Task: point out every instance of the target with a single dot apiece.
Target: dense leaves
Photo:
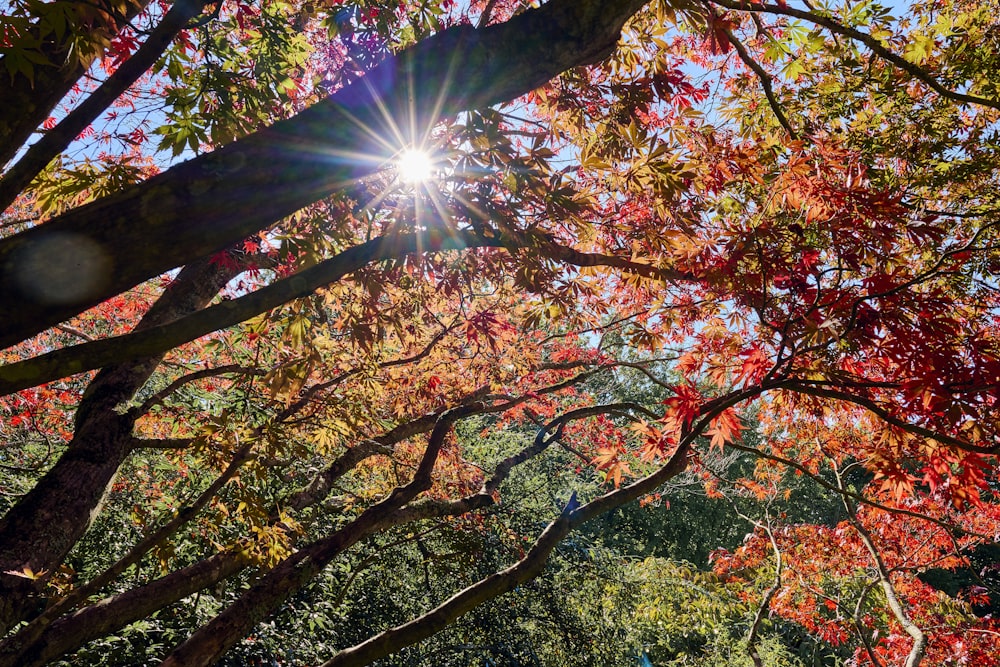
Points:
(732, 260)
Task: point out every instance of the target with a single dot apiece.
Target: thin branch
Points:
(65, 328)
(160, 396)
(859, 626)
(949, 527)
(753, 635)
(919, 637)
(765, 603)
(765, 83)
(873, 44)
(645, 371)
(161, 443)
(886, 416)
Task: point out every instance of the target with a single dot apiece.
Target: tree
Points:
(257, 359)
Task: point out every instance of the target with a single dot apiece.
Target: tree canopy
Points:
(298, 291)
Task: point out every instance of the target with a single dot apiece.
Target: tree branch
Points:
(889, 418)
(916, 654)
(117, 611)
(499, 583)
(44, 525)
(210, 202)
(158, 339)
(765, 82)
(207, 644)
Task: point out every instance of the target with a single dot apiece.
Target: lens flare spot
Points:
(62, 268)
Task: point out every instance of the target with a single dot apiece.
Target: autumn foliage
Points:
(658, 237)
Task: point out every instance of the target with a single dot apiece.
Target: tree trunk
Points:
(43, 526)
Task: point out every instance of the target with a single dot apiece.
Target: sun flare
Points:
(414, 166)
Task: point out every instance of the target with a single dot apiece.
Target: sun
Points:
(414, 166)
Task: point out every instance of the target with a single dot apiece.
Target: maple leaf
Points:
(753, 367)
(27, 573)
(608, 460)
(682, 408)
(724, 428)
(717, 33)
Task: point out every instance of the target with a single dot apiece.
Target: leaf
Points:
(724, 428)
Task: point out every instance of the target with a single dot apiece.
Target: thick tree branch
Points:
(576, 258)
(159, 339)
(156, 340)
(321, 485)
(161, 443)
(485, 497)
(37, 627)
(217, 199)
(208, 644)
(441, 617)
(528, 567)
(37, 644)
(506, 580)
(115, 612)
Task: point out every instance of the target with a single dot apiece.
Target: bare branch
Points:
(161, 395)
